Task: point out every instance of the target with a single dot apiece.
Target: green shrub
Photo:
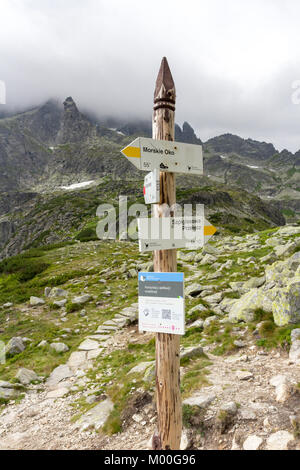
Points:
(87, 234)
(71, 307)
(25, 268)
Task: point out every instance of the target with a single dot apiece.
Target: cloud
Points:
(233, 62)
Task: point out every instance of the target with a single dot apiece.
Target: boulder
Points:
(77, 359)
(211, 250)
(274, 241)
(35, 301)
(295, 334)
(141, 367)
(214, 298)
(254, 282)
(191, 352)
(244, 308)
(202, 400)
(293, 262)
(59, 374)
(95, 417)
(57, 292)
(60, 303)
(7, 305)
(7, 393)
(286, 307)
(59, 347)
(282, 388)
(294, 354)
(88, 345)
(288, 230)
(285, 250)
(132, 273)
(14, 346)
(47, 291)
(208, 259)
(252, 442)
(185, 440)
(198, 308)
(279, 440)
(244, 375)
(207, 322)
(58, 393)
(229, 408)
(196, 324)
(227, 304)
(194, 290)
(82, 299)
(26, 376)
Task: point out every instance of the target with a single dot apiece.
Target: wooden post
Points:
(168, 397)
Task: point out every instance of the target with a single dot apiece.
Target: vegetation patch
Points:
(195, 376)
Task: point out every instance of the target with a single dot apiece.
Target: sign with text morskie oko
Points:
(166, 233)
(161, 302)
(147, 154)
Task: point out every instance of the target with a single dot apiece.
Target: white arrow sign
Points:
(148, 154)
(152, 187)
(166, 233)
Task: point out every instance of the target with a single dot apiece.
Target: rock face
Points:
(187, 134)
(228, 143)
(75, 126)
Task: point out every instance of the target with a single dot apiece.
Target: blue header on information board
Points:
(161, 277)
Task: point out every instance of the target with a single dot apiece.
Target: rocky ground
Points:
(86, 379)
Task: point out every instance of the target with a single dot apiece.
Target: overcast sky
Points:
(233, 61)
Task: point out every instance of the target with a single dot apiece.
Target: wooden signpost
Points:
(168, 397)
(161, 154)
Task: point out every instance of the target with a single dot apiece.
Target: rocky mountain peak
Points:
(70, 106)
(186, 134)
(74, 126)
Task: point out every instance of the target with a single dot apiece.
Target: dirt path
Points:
(42, 423)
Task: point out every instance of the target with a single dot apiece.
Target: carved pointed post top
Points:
(165, 93)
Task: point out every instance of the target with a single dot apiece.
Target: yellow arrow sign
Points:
(150, 154)
(159, 233)
(131, 152)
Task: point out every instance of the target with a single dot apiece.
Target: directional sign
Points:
(151, 187)
(148, 154)
(161, 302)
(166, 233)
